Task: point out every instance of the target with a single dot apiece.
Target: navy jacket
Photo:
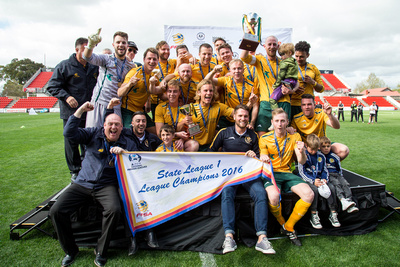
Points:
(70, 78)
(96, 171)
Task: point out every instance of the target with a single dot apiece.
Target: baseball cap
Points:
(132, 44)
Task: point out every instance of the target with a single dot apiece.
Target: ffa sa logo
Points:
(135, 158)
(247, 139)
(100, 150)
(319, 159)
(331, 160)
(201, 36)
(142, 206)
(178, 38)
(76, 75)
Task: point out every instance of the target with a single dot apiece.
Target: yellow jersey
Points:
(236, 94)
(199, 71)
(315, 125)
(168, 115)
(312, 71)
(282, 158)
(163, 148)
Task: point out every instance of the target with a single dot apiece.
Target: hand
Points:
(285, 90)
(153, 79)
(290, 130)
(71, 101)
(117, 150)
(265, 158)
(324, 181)
(217, 68)
(179, 144)
(299, 90)
(182, 135)
(309, 80)
(250, 154)
(318, 183)
(163, 84)
(134, 79)
(300, 146)
(327, 108)
(94, 39)
(250, 126)
(113, 102)
(188, 120)
(192, 59)
(87, 106)
(253, 97)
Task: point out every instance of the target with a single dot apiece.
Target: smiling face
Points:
(185, 73)
(226, 55)
(271, 46)
(139, 125)
(206, 94)
(237, 69)
(167, 138)
(150, 62)
(120, 45)
(307, 106)
(241, 117)
(301, 57)
(205, 55)
(164, 52)
(113, 127)
(173, 94)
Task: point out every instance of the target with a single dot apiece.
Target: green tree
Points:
(370, 83)
(19, 70)
(12, 88)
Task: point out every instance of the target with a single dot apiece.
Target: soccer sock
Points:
(298, 212)
(277, 212)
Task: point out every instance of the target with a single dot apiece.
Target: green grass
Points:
(33, 168)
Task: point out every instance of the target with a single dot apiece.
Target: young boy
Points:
(167, 133)
(314, 172)
(336, 178)
(288, 71)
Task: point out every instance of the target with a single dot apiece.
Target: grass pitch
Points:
(33, 168)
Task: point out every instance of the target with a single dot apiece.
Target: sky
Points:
(354, 37)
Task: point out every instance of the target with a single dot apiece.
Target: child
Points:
(336, 178)
(314, 172)
(288, 71)
(167, 133)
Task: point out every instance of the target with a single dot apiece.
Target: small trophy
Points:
(252, 38)
(193, 128)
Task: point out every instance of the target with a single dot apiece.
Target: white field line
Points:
(207, 260)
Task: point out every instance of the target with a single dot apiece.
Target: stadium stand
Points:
(4, 101)
(346, 100)
(336, 83)
(332, 82)
(326, 85)
(40, 80)
(36, 102)
(380, 101)
(317, 99)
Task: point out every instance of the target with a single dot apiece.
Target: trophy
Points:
(252, 38)
(193, 128)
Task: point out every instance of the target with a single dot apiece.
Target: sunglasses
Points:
(132, 50)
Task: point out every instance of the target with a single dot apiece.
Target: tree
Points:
(19, 70)
(12, 88)
(370, 83)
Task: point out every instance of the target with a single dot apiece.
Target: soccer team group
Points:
(262, 105)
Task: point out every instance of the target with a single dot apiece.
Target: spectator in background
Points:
(372, 113)
(107, 51)
(353, 111)
(360, 110)
(72, 83)
(376, 112)
(340, 110)
(318, 105)
(132, 51)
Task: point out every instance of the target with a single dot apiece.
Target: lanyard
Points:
(278, 148)
(202, 116)
(237, 93)
(270, 67)
(162, 74)
(305, 72)
(119, 75)
(251, 75)
(188, 92)
(201, 70)
(174, 123)
(145, 82)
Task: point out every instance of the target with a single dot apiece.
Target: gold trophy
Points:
(192, 128)
(252, 36)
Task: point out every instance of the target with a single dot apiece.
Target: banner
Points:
(194, 36)
(158, 186)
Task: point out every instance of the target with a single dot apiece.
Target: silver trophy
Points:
(251, 25)
(192, 128)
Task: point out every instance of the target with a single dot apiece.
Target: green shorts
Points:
(284, 180)
(265, 115)
(127, 118)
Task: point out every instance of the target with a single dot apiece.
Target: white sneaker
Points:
(265, 246)
(229, 245)
(352, 209)
(315, 221)
(334, 219)
(346, 204)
